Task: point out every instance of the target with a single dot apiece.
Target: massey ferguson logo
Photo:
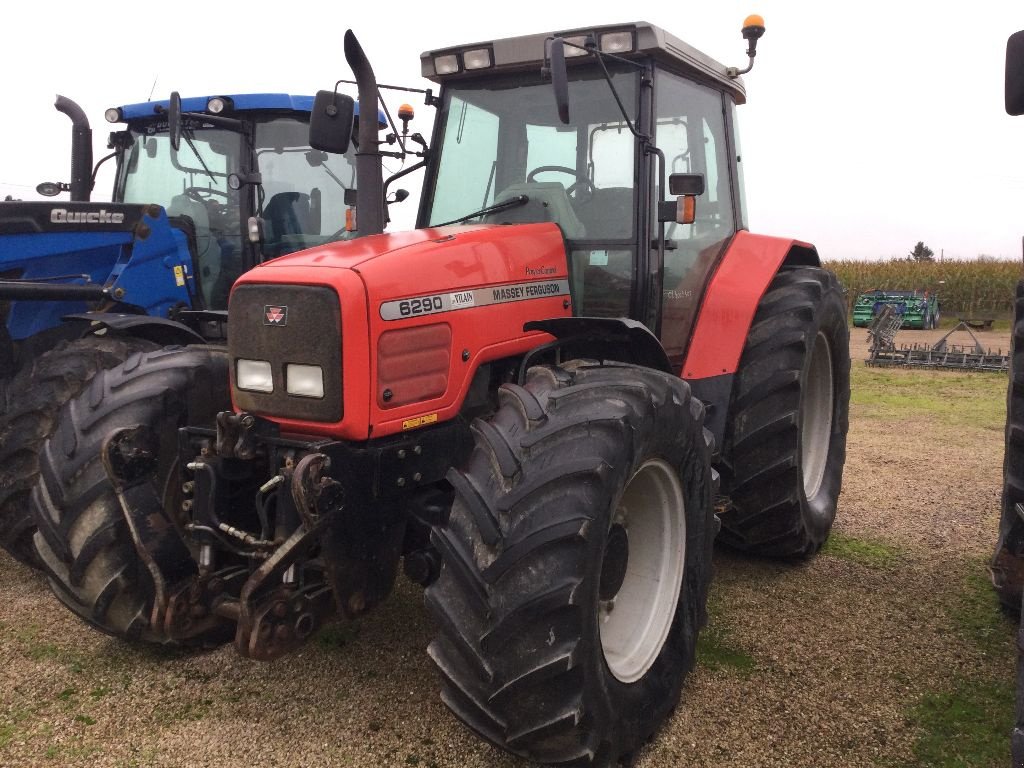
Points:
(275, 315)
(63, 216)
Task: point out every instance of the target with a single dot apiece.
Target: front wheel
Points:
(785, 439)
(83, 540)
(576, 563)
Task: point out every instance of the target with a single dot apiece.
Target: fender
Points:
(159, 330)
(743, 275)
(603, 338)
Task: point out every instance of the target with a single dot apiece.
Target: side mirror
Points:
(174, 120)
(330, 122)
(686, 187)
(560, 79)
(686, 184)
(1015, 74)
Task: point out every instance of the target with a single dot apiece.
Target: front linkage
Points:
(282, 534)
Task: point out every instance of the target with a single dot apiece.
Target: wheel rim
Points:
(816, 417)
(642, 570)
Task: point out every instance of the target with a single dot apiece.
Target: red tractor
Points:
(547, 401)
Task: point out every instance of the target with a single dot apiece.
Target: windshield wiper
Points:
(512, 202)
(188, 140)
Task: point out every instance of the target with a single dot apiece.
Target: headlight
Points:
(254, 375)
(304, 380)
(113, 115)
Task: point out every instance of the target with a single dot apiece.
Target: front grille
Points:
(285, 324)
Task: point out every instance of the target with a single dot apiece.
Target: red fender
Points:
(741, 279)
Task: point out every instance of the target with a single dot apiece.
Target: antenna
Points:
(151, 90)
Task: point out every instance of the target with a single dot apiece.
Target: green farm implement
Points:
(915, 309)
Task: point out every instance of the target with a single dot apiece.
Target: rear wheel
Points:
(785, 440)
(1008, 562)
(576, 563)
(83, 538)
(33, 399)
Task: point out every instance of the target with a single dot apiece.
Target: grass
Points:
(969, 723)
(978, 617)
(863, 551)
(716, 650)
(951, 399)
(966, 726)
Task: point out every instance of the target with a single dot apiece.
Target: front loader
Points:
(545, 403)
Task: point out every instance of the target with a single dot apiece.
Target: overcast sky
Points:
(869, 126)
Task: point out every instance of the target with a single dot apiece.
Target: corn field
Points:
(966, 288)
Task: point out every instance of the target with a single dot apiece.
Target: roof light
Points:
(216, 105)
(113, 115)
(406, 112)
(617, 42)
(447, 64)
(574, 46)
(479, 58)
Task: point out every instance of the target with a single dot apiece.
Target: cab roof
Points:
(528, 51)
(241, 102)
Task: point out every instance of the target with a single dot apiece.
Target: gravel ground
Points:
(841, 650)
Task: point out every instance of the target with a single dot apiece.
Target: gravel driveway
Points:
(816, 664)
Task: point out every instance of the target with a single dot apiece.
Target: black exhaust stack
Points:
(81, 149)
(369, 183)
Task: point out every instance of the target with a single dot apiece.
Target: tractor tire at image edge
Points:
(33, 399)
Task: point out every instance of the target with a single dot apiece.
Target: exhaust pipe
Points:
(81, 149)
(369, 184)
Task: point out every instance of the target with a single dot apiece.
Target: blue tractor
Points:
(205, 188)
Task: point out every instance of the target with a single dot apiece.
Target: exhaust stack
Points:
(81, 149)
(369, 186)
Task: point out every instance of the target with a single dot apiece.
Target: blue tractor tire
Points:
(31, 402)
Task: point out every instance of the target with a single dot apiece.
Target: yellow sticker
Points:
(179, 275)
(420, 421)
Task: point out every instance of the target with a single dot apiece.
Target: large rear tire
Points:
(83, 539)
(1008, 562)
(576, 563)
(785, 438)
(32, 400)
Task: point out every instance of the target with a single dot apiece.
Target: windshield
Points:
(303, 191)
(192, 185)
(501, 141)
(300, 197)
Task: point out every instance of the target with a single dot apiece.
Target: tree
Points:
(921, 252)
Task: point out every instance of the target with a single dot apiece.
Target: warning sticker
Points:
(179, 275)
(420, 421)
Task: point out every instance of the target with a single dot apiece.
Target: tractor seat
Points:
(607, 214)
(548, 202)
(287, 214)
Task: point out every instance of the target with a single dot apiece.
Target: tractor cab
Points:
(641, 109)
(228, 159)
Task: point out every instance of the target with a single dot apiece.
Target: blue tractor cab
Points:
(242, 185)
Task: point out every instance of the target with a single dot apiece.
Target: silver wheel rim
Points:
(816, 417)
(635, 622)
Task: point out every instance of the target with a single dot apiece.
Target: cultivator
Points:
(883, 351)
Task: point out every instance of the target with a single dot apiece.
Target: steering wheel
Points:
(582, 183)
(202, 194)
